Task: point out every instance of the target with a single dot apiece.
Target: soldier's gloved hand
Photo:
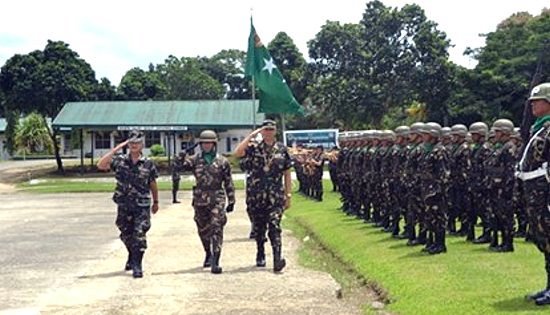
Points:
(230, 207)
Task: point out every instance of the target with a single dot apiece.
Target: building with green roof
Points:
(172, 124)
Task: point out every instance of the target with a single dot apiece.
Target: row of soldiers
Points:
(308, 164)
(434, 177)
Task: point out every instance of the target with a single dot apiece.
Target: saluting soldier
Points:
(268, 163)
(213, 185)
(136, 181)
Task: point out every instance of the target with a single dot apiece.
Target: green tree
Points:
(43, 81)
(105, 91)
(184, 80)
(227, 67)
(137, 84)
(12, 122)
(32, 135)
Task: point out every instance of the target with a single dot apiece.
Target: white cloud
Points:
(114, 36)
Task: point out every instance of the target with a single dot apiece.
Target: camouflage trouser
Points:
(210, 221)
(270, 220)
(519, 206)
(415, 209)
(133, 221)
(334, 179)
(502, 210)
(538, 213)
(436, 212)
(175, 188)
(460, 204)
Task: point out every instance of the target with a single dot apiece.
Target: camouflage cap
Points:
(541, 92)
(135, 136)
(269, 124)
(479, 128)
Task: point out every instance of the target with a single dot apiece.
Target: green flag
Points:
(275, 95)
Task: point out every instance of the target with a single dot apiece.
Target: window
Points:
(151, 138)
(102, 140)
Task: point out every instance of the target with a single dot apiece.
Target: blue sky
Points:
(114, 36)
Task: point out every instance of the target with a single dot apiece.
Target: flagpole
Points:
(253, 103)
(283, 126)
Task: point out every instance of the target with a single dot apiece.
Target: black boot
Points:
(507, 242)
(439, 246)
(278, 262)
(412, 236)
(484, 238)
(260, 254)
(542, 293)
(215, 268)
(137, 272)
(252, 234)
(429, 242)
(207, 260)
(421, 239)
(128, 265)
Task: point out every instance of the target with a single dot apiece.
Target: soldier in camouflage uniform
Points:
(517, 199)
(398, 156)
(460, 185)
(412, 182)
(175, 171)
(332, 168)
(500, 176)
(480, 152)
(268, 162)
(534, 173)
(317, 162)
(136, 180)
(434, 173)
(213, 184)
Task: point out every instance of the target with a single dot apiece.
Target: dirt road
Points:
(174, 281)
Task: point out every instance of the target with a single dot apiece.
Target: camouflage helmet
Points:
(504, 125)
(479, 128)
(402, 130)
(446, 132)
(516, 134)
(208, 136)
(416, 128)
(376, 134)
(459, 130)
(388, 135)
(541, 92)
(433, 129)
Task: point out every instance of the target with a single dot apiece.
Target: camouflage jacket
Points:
(434, 170)
(133, 180)
(479, 154)
(266, 166)
(537, 152)
(461, 164)
(412, 168)
(500, 165)
(211, 180)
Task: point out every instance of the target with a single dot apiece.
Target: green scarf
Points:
(209, 156)
(428, 147)
(540, 122)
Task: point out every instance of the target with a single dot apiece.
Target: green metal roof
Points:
(168, 114)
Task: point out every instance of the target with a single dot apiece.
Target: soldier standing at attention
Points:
(213, 184)
(176, 168)
(534, 172)
(268, 162)
(460, 192)
(136, 181)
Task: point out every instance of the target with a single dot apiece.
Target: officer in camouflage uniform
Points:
(434, 173)
(136, 180)
(213, 184)
(500, 176)
(365, 175)
(460, 185)
(534, 173)
(268, 162)
(480, 152)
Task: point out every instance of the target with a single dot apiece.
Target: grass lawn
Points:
(468, 279)
(69, 186)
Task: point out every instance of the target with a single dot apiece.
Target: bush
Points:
(157, 150)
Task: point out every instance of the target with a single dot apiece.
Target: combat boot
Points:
(471, 236)
(494, 242)
(452, 227)
(215, 268)
(207, 259)
(278, 262)
(420, 240)
(411, 236)
(439, 246)
(128, 265)
(260, 254)
(137, 272)
(429, 242)
(484, 238)
(544, 299)
(508, 243)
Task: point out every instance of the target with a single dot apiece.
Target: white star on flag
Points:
(269, 65)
